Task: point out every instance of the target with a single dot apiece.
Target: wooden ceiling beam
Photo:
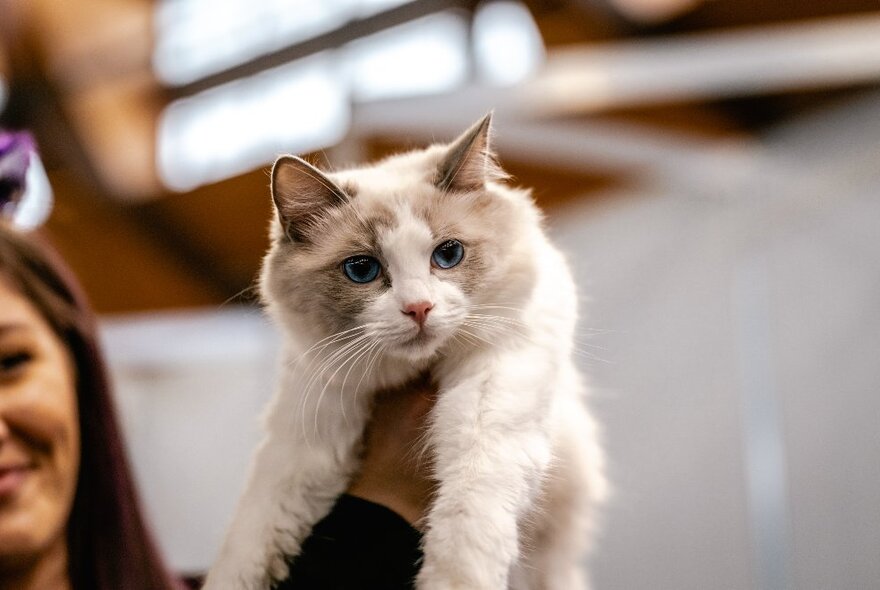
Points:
(85, 43)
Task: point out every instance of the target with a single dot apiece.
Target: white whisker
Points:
(375, 352)
(475, 336)
(315, 375)
(323, 343)
(327, 383)
(364, 351)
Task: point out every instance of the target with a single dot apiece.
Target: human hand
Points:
(396, 470)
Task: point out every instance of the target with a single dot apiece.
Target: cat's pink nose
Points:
(418, 311)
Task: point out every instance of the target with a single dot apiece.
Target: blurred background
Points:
(712, 169)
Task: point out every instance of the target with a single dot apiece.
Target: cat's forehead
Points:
(394, 192)
(407, 210)
(394, 175)
(396, 202)
(394, 219)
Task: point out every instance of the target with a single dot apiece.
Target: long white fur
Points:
(514, 448)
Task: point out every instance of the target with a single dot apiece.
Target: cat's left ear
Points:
(302, 193)
(469, 162)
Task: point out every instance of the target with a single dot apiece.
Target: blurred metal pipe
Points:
(764, 454)
(760, 60)
(834, 52)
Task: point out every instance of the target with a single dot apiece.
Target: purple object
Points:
(16, 151)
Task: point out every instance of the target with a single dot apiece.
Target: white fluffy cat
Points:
(424, 261)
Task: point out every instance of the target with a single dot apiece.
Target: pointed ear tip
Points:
(289, 164)
(286, 159)
(280, 161)
(282, 170)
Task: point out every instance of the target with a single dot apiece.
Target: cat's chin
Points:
(421, 348)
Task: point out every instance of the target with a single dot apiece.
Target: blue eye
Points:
(361, 269)
(448, 254)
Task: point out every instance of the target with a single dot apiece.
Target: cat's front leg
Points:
(490, 452)
(294, 480)
(286, 495)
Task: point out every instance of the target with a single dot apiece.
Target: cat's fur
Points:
(512, 445)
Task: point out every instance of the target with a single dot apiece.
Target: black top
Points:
(358, 546)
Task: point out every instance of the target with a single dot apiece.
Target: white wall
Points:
(190, 388)
(740, 364)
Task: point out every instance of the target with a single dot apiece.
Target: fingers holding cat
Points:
(396, 466)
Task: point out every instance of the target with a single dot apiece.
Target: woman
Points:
(69, 515)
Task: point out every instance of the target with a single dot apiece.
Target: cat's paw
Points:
(242, 574)
(434, 584)
(278, 568)
(432, 577)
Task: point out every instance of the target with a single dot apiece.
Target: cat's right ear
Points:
(469, 162)
(301, 193)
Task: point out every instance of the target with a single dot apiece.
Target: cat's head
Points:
(401, 253)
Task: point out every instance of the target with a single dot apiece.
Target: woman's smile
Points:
(13, 479)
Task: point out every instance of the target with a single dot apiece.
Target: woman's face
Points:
(39, 432)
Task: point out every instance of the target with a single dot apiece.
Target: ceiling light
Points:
(507, 43)
(428, 55)
(197, 38)
(298, 107)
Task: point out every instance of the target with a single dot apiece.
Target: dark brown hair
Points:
(109, 545)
